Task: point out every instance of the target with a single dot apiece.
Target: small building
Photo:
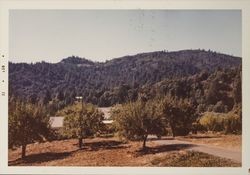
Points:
(107, 115)
(106, 111)
(56, 122)
(107, 121)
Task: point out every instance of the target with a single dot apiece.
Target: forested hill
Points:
(105, 83)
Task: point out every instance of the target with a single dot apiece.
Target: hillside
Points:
(111, 82)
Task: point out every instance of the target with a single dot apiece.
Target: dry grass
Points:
(100, 152)
(231, 142)
(97, 152)
(193, 159)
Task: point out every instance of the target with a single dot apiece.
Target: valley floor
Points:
(112, 152)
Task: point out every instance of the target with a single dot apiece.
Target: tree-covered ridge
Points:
(120, 79)
(219, 91)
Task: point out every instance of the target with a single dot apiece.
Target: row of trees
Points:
(29, 123)
(137, 120)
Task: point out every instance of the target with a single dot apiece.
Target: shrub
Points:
(212, 121)
(226, 122)
(196, 126)
(233, 123)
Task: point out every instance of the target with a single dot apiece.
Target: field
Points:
(113, 152)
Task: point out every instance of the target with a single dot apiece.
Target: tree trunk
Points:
(173, 129)
(80, 142)
(144, 142)
(23, 151)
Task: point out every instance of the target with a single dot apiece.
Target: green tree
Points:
(28, 123)
(45, 98)
(82, 121)
(213, 93)
(137, 120)
(60, 96)
(237, 89)
(179, 114)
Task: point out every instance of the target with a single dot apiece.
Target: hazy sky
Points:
(99, 35)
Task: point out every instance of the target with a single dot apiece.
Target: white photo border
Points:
(243, 5)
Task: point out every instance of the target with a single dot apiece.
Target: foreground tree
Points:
(28, 123)
(135, 121)
(179, 113)
(82, 121)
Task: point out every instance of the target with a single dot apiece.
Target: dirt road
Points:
(220, 152)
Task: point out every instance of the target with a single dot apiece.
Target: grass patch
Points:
(192, 159)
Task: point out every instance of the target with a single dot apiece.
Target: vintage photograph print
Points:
(141, 88)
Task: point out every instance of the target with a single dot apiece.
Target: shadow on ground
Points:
(41, 157)
(163, 148)
(201, 137)
(50, 156)
(111, 144)
(163, 138)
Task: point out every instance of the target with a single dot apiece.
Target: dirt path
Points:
(212, 150)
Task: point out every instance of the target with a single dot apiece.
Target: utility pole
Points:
(80, 137)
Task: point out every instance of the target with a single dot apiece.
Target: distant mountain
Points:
(98, 82)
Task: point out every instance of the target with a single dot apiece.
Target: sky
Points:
(99, 35)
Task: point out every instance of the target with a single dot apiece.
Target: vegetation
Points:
(121, 80)
(188, 90)
(179, 113)
(139, 119)
(192, 159)
(82, 121)
(226, 122)
(136, 120)
(27, 124)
